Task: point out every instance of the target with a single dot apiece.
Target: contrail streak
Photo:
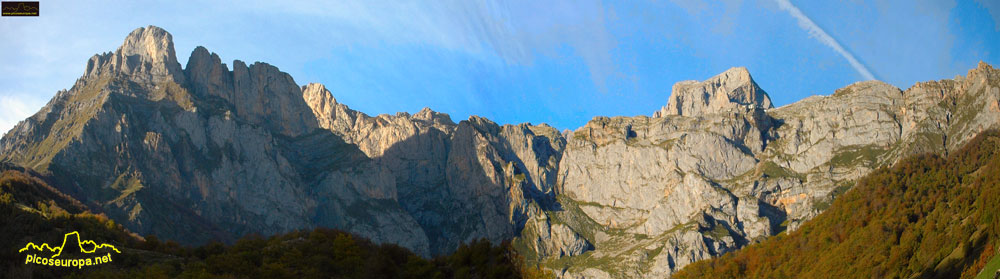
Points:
(823, 37)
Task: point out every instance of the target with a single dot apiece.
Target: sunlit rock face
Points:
(731, 89)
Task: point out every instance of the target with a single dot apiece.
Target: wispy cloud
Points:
(818, 33)
(723, 23)
(993, 7)
(514, 31)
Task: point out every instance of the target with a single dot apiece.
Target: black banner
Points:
(20, 8)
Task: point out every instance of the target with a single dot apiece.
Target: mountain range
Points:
(208, 152)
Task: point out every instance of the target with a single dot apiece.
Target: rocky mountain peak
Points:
(868, 87)
(984, 65)
(317, 92)
(259, 93)
(426, 112)
(325, 107)
(736, 75)
(730, 89)
(437, 117)
(146, 55)
(982, 70)
(150, 42)
(208, 75)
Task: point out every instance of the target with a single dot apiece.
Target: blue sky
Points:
(557, 62)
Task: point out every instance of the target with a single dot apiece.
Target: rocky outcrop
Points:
(557, 240)
(146, 56)
(260, 94)
(204, 152)
(730, 89)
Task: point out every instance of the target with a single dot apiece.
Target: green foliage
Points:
(990, 268)
(866, 155)
(927, 216)
(770, 169)
(718, 231)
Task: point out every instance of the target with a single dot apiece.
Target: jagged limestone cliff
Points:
(208, 152)
(692, 183)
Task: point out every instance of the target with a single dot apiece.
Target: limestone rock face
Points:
(147, 55)
(207, 152)
(461, 182)
(260, 93)
(730, 89)
(558, 240)
(686, 187)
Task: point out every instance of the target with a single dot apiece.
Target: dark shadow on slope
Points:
(775, 216)
(419, 165)
(318, 152)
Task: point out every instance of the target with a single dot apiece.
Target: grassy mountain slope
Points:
(926, 217)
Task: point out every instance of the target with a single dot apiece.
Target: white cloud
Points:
(815, 31)
(993, 7)
(14, 109)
